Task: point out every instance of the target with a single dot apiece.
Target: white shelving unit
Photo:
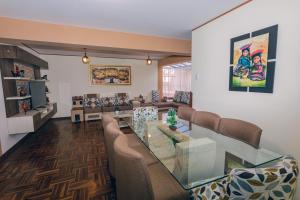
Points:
(18, 97)
(18, 78)
(43, 80)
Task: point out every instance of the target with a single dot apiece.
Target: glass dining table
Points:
(196, 156)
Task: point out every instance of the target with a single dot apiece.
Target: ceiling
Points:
(167, 18)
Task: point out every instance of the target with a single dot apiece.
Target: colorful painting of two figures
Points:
(250, 62)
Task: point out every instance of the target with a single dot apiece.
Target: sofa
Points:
(94, 105)
(181, 98)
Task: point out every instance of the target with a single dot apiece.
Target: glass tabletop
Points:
(195, 155)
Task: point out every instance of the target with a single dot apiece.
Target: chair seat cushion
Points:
(147, 155)
(164, 185)
(133, 140)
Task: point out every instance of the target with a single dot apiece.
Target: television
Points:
(38, 93)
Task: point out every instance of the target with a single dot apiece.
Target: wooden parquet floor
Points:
(61, 161)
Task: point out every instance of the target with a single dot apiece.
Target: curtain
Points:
(176, 79)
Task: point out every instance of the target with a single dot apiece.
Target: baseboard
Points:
(61, 118)
(4, 156)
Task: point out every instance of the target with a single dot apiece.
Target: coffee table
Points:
(124, 117)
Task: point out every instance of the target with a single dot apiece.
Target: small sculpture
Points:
(24, 106)
(22, 73)
(22, 91)
(16, 73)
(45, 77)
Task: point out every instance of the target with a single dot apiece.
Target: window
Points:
(177, 77)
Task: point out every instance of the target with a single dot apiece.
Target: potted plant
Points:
(171, 119)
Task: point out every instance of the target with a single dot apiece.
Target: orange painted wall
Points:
(72, 35)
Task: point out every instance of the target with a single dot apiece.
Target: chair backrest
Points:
(132, 177)
(111, 133)
(276, 182)
(106, 119)
(241, 130)
(185, 112)
(144, 114)
(206, 119)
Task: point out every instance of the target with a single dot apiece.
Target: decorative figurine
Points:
(45, 77)
(17, 72)
(22, 73)
(24, 107)
(22, 91)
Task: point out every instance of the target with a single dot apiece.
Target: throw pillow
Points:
(177, 96)
(155, 96)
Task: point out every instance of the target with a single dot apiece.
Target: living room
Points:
(69, 153)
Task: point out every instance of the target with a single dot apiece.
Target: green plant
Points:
(171, 118)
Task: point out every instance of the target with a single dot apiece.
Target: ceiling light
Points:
(85, 59)
(149, 61)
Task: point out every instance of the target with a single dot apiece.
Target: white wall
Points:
(278, 114)
(69, 77)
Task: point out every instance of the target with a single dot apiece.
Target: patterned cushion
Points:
(277, 182)
(185, 97)
(177, 96)
(92, 102)
(214, 190)
(109, 101)
(122, 99)
(155, 96)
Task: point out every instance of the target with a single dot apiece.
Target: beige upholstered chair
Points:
(111, 132)
(135, 180)
(206, 119)
(185, 113)
(106, 119)
(241, 130)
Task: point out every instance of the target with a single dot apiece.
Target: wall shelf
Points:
(42, 80)
(18, 98)
(18, 78)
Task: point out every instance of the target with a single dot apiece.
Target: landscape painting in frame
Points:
(252, 61)
(110, 75)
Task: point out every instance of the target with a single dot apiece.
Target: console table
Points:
(31, 121)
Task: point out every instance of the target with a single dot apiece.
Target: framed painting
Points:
(252, 61)
(110, 75)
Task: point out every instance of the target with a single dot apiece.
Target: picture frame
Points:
(109, 74)
(252, 61)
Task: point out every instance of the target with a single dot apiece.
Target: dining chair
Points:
(106, 119)
(112, 131)
(275, 182)
(142, 115)
(135, 180)
(185, 113)
(216, 190)
(205, 119)
(240, 130)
